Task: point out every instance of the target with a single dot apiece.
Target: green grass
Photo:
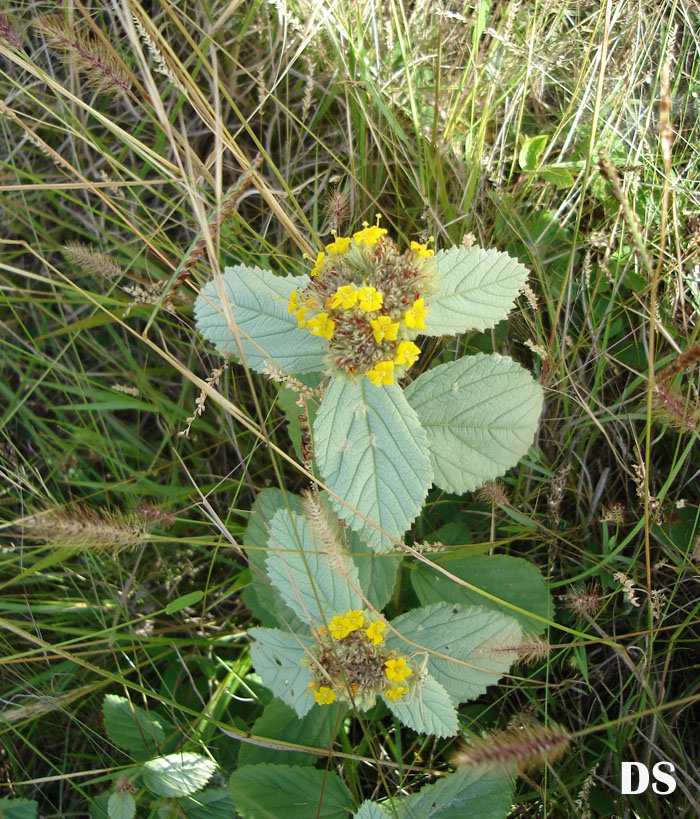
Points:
(419, 115)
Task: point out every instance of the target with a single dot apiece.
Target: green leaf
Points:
(279, 722)
(427, 709)
(531, 151)
(177, 774)
(183, 602)
(272, 791)
(259, 303)
(370, 810)
(480, 414)
(131, 727)
(121, 806)
(480, 643)
(212, 803)
(475, 290)
(377, 572)
(262, 600)
(18, 808)
(312, 583)
(372, 452)
(466, 792)
(509, 578)
(559, 177)
(277, 657)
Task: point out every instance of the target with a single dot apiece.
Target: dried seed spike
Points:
(327, 530)
(518, 749)
(100, 66)
(86, 529)
(91, 260)
(684, 361)
(337, 205)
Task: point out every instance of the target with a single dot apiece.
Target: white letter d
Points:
(626, 774)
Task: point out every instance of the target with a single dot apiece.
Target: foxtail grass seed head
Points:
(352, 663)
(89, 530)
(100, 67)
(520, 749)
(369, 300)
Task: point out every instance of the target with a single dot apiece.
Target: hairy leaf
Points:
(480, 414)
(372, 452)
(428, 709)
(314, 579)
(479, 644)
(267, 332)
(277, 657)
(475, 290)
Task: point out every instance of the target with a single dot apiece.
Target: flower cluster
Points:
(368, 299)
(354, 665)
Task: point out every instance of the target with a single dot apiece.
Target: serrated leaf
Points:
(475, 290)
(277, 657)
(531, 151)
(259, 304)
(131, 727)
(18, 808)
(372, 452)
(466, 792)
(310, 582)
(370, 810)
(120, 806)
(262, 600)
(272, 791)
(177, 774)
(428, 709)
(479, 642)
(280, 722)
(377, 572)
(183, 602)
(509, 578)
(480, 414)
(212, 803)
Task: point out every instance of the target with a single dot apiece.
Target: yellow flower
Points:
(422, 250)
(381, 373)
(340, 245)
(293, 301)
(397, 670)
(321, 325)
(370, 299)
(407, 353)
(325, 695)
(384, 328)
(376, 632)
(415, 317)
(300, 313)
(339, 627)
(345, 297)
(354, 620)
(317, 264)
(394, 693)
(369, 235)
